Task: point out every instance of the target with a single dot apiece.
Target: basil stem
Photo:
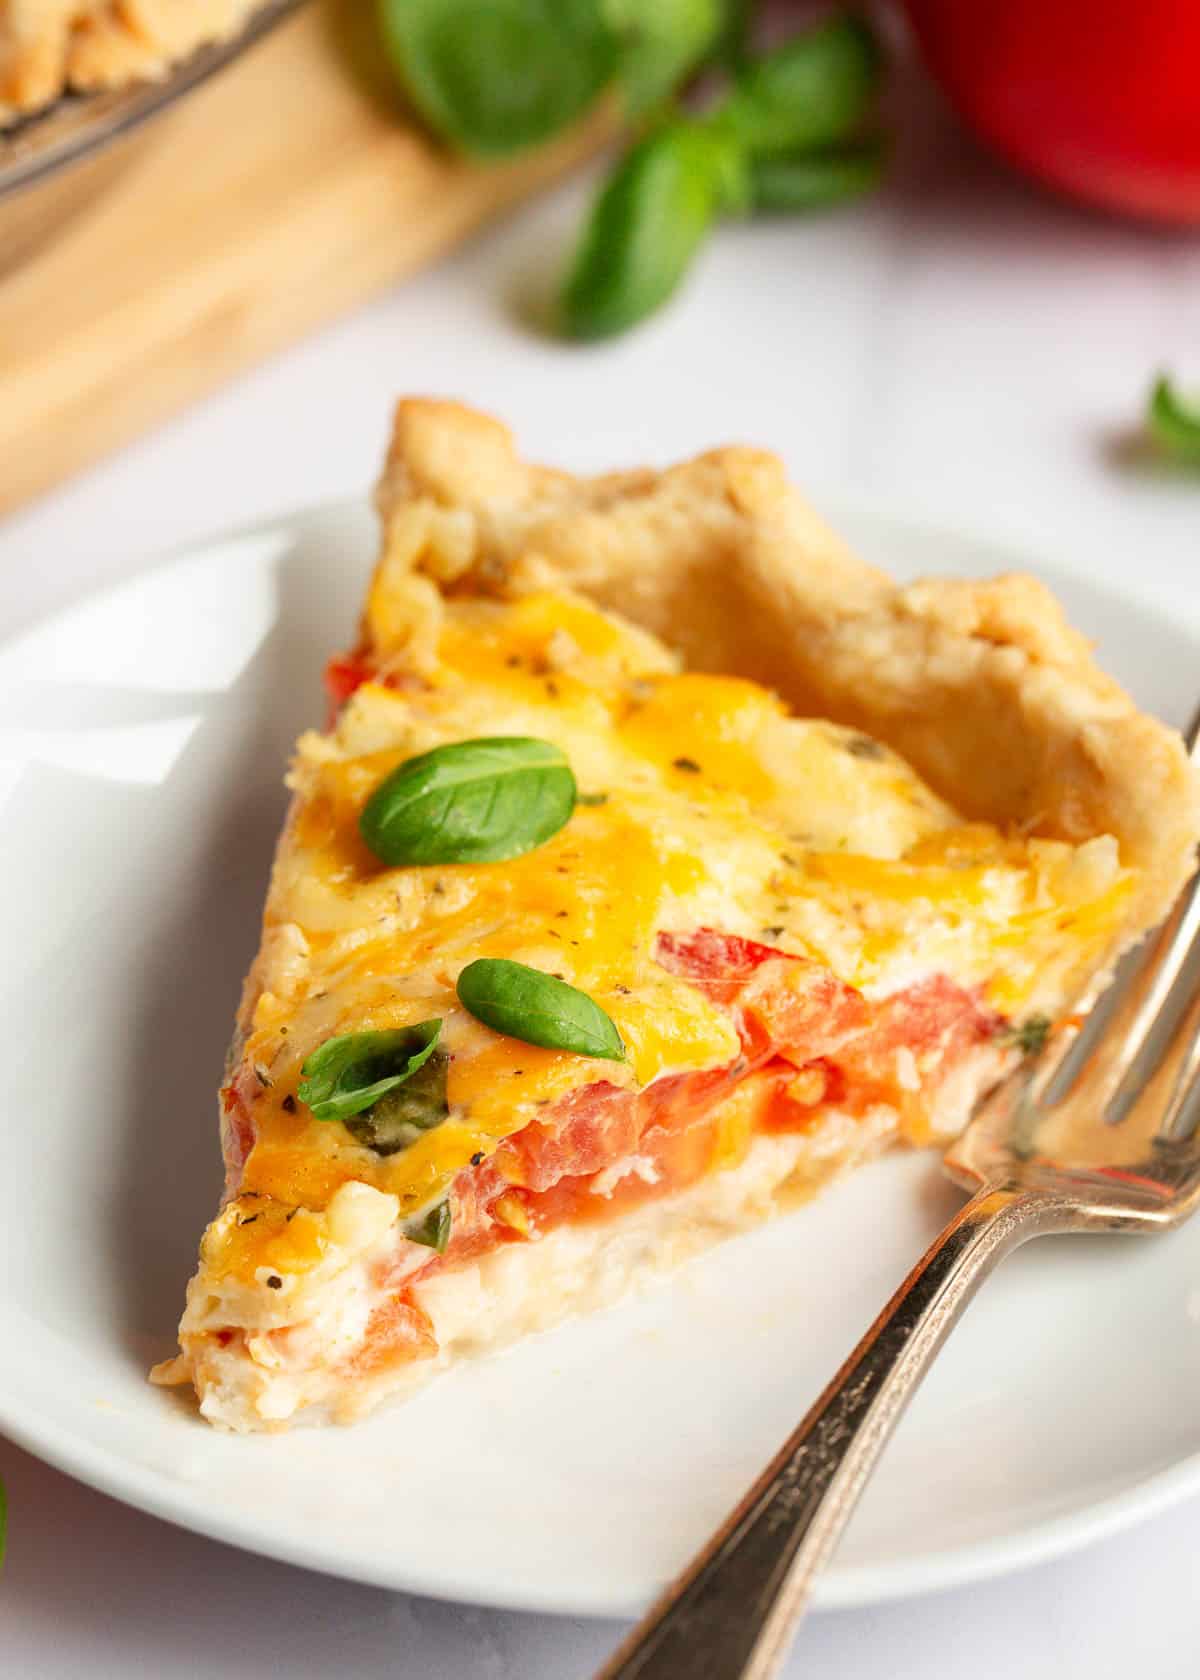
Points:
(813, 91)
(537, 1008)
(474, 801)
(346, 1075)
(798, 181)
(399, 1117)
(647, 226)
(1174, 422)
(432, 1229)
(493, 77)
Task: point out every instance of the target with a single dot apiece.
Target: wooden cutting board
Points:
(283, 191)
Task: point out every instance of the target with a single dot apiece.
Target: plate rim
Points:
(854, 1587)
(845, 1587)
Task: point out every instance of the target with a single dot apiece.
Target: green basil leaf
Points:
(798, 181)
(493, 77)
(470, 802)
(814, 90)
(1029, 1037)
(349, 1073)
(432, 1228)
(660, 44)
(1174, 422)
(647, 226)
(397, 1118)
(732, 46)
(537, 1008)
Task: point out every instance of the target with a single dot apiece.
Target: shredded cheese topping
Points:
(720, 810)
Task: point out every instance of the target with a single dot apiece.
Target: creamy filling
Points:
(263, 1358)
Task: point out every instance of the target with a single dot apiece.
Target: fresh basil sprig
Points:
(474, 801)
(810, 95)
(814, 90)
(1174, 422)
(397, 1119)
(496, 76)
(348, 1074)
(537, 1008)
(647, 226)
(431, 1229)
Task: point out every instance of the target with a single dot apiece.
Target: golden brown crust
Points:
(50, 46)
(982, 686)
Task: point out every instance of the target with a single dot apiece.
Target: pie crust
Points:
(50, 47)
(983, 687)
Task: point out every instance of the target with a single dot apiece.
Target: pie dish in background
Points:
(59, 148)
(52, 47)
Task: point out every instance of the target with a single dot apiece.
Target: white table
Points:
(961, 349)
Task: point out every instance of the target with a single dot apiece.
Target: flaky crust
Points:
(982, 686)
(50, 46)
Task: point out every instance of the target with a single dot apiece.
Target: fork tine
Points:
(1131, 1018)
(1153, 1015)
(1182, 1113)
(1133, 1012)
(1173, 947)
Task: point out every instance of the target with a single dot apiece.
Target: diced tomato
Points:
(590, 1128)
(802, 1008)
(799, 1095)
(806, 1011)
(238, 1131)
(396, 1332)
(808, 1040)
(672, 1102)
(343, 674)
(719, 963)
(675, 1149)
(934, 1022)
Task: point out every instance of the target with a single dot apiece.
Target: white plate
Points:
(144, 736)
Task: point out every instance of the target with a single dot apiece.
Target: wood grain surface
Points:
(282, 192)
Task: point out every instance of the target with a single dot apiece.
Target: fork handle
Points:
(731, 1614)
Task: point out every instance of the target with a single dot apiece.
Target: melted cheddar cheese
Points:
(720, 810)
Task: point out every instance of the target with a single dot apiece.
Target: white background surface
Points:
(962, 349)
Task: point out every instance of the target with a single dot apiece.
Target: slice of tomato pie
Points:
(661, 861)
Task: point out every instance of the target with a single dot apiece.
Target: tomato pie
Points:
(660, 862)
(48, 47)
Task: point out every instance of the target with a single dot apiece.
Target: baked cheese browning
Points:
(708, 807)
(817, 881)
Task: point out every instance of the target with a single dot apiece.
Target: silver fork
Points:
(1096, 1134)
